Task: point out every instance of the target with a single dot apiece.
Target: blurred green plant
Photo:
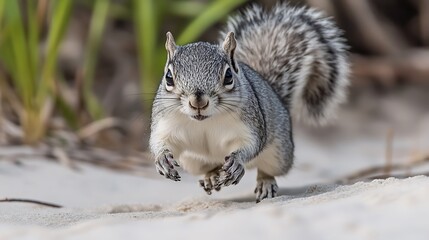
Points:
(32, 71)
(98, 22)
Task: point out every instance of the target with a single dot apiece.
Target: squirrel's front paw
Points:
(165, 166)
(211, 181)
(231, 173)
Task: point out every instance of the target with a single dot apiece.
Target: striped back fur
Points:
(299, 52)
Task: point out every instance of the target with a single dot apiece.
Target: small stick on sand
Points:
(30, 201)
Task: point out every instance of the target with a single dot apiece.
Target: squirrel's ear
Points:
(170, 45)
(229, 45)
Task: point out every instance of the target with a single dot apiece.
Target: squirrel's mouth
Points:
(199, 117)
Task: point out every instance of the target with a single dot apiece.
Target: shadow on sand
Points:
(293, 193)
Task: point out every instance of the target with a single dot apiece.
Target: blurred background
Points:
(77, 77)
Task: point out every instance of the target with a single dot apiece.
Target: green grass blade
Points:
(33, 38)
(99, 18)
(6, 51)
(186, 8)
(213, 13)
(20, 60)
(61, 14)
(2, 7)
(146, 25)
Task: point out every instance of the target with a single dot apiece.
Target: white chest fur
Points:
(209, 141)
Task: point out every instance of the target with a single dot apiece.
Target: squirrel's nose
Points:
(198, 103)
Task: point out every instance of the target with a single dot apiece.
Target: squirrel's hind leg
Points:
(211, 180)
(266, 186)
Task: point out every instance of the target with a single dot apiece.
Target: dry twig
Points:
(379, 172)
(31, 201)
(98, 126)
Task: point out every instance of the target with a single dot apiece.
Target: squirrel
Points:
(221, 108)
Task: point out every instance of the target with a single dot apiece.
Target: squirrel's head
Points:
(200, 79)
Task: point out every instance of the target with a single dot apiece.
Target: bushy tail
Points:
(300, 52)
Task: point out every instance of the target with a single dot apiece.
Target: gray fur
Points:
(286, 59)
(300, 52)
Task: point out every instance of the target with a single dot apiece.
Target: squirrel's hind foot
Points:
(266, 187)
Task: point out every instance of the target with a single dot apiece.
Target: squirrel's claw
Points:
(266, 188)
(231, 173)
(210, 182)
(165, 166)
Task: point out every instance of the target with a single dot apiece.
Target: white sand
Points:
(381, 209)
(102, 204)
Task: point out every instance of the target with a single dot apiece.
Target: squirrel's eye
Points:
(228, 81)
(169, 78)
